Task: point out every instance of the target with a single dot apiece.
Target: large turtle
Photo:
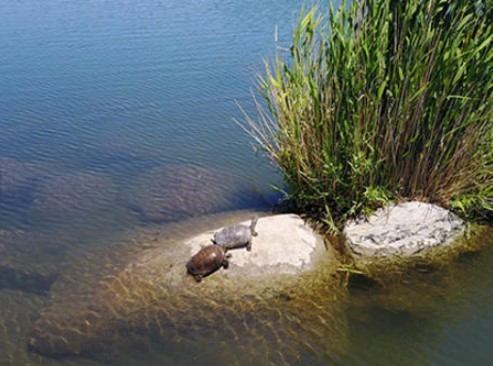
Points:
(207, 260)
(236, 236)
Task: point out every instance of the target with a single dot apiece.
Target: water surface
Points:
(110, 108)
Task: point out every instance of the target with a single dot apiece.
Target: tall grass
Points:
(382, 100)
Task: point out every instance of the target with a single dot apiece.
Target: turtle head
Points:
(253, 224)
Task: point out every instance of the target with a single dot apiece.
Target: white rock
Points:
(402, 230)
(284, 244)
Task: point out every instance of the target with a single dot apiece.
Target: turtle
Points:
(236, 236)
(207, 260)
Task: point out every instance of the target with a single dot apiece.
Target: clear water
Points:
(107, 108)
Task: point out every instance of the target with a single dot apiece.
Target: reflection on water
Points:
(116, 127)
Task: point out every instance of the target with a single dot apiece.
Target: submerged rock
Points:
(172, 193)
(284, 286)
(403, 230)
(73, 195)
(26, 251)
(18, 180)
(18, 311)
(26, 281)
(29, 261)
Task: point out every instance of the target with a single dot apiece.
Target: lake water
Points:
(116, 118)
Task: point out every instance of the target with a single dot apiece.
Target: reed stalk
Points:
(382, 100)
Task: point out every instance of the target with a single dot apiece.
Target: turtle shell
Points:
(233, 236)
(207, 260)
(236, 236)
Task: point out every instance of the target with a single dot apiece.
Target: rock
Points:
(73, 195)
(19, 311)
(18, 181)
(26, 281)
(402, 230)
(29, 261)
(285, 244)
(31, 251)
(284, 286)
(172, 192)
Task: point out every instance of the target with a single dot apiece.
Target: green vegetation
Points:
(383, 100)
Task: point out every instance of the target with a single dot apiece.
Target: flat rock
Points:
(402, 230)
(284, 244)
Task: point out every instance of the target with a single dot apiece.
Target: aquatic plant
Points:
(382, 100)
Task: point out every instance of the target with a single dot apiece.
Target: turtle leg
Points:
(249, 246)
(225, 264)
(198, 278)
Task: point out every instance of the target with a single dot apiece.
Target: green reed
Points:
(383, 100)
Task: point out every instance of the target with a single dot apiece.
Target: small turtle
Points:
(236, 236)
(207, 260)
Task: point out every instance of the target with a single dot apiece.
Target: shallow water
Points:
(116, 118)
